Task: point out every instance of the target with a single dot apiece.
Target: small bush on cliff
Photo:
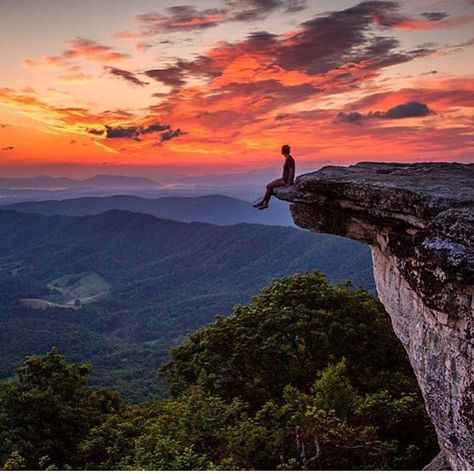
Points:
(308, 376)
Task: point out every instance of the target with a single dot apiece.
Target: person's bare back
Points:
(286, 179)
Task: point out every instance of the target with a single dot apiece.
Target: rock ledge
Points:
(419, 221)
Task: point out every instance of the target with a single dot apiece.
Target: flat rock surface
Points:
(450, 181)
(440, 195)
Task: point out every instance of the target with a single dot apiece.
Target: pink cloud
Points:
(78, 49)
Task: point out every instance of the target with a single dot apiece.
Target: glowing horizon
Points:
(221, 85)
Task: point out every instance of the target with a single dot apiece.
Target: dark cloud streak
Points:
(411, 109)
(155, 127)
(126, 75)
(435, 16)
(170, 134)
(188, 17)
(408, 110)
(95, 131)
(122, 132)
(135, 132)
(350, 117)
(171, 76)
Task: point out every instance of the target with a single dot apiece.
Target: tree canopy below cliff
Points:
(308, 375)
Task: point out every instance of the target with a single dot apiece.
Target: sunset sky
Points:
(150, 86)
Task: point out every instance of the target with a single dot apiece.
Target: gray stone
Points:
(439, 463)
(419, 221)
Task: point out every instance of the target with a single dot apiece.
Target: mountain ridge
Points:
(211, 208)
(100, 179)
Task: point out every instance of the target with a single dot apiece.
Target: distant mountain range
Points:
(119, 288)
(247, 186)
(43, 181)
(45, 187)
(213, 209)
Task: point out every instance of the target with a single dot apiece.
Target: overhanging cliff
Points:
(419, 222)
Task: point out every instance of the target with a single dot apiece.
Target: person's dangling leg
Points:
(263, 204)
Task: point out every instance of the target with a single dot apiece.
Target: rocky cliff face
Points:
(419, 221)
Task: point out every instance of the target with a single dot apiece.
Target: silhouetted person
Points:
(286, 178)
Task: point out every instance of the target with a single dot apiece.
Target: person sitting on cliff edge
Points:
(286, 178)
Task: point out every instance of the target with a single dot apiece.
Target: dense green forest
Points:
(308, 375)
(141, 285)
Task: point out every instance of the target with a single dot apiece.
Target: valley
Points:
(120, 288)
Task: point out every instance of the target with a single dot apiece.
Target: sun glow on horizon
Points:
(183, 87)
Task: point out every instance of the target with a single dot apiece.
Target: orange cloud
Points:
(420, 24)
(76, 76)
(126, 35)
(78, 49)
(110, 129)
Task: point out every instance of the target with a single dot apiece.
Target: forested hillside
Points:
(120, 288)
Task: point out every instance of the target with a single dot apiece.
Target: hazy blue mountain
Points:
(117, 181)
(247, 186)
(99, 180)
(214, 209)
(45, 187)
(119, 288)
(42, 181)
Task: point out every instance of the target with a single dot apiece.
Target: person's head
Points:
(285, 150)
